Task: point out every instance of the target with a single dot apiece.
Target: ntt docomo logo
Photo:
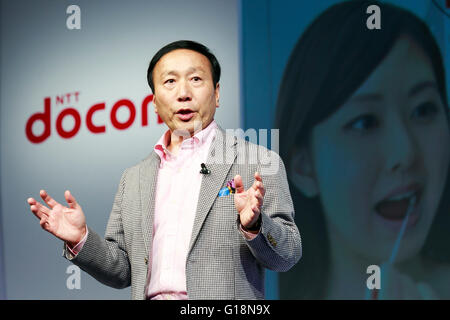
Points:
(71, 98)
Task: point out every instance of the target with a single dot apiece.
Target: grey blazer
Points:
(221, 262)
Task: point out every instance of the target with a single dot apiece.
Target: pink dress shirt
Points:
(177, 192)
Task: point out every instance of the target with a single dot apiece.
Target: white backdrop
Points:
(105, 61)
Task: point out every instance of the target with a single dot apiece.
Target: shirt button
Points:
(146, 260)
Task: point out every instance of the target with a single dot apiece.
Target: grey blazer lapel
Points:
(148, 175)
(219, 165)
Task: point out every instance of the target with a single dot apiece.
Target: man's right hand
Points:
(66, 223)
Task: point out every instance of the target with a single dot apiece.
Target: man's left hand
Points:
(248, 203)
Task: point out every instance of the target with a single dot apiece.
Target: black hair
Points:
(332, 58)
(189, 45)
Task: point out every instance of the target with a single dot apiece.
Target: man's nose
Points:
(402, 147)
(184, 92)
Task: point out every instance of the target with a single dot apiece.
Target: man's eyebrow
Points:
(188, 71)
(167, 73)
(428, 84)
(195, 69)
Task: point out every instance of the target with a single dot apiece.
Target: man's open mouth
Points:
(185, 114)
(184, 111)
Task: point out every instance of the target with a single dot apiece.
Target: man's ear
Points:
(155, 104)
(216, 91)
(302, 173)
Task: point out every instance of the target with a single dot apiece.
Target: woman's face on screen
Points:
(387, 144)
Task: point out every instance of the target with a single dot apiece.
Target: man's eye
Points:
(196, 78)
(363, 123)
(169, 81)
(425, 111)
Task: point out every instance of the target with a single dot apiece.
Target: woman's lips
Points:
(393, 210)
(396, 224)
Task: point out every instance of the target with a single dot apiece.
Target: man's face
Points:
(184, 90)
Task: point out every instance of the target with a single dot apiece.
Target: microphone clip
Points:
(204, 170)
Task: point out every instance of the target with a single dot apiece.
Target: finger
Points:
(44, 223)
(258, 185)
(47, 199)
(258, 180)
(261, 188)
(258, 194)
(36, 212)
(70, 199)
(37, 208)
(255, 209)
(32, 203)
(238, 184)
(259, 198)
(254, 204)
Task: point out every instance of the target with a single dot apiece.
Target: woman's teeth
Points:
(401, 196)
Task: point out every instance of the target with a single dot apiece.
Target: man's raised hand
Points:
(248, 203)
(66, 223)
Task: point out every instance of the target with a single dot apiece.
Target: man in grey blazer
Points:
(243, 221)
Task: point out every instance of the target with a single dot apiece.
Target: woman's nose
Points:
(403, 149)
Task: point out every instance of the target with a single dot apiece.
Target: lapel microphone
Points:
(204, 170)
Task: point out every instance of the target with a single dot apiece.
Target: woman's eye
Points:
(425, 111)
(363, 123)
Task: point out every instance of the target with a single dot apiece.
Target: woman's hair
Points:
(332, 58)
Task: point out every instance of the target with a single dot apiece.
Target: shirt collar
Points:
(201, 137)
